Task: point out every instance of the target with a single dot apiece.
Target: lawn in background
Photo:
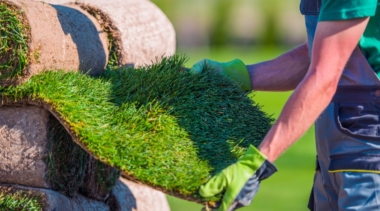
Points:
(289, 188)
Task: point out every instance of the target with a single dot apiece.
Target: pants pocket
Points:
(358, 119)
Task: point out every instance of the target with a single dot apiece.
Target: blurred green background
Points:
(253, 31)
(242, 23)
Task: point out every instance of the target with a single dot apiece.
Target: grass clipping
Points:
(161, 126)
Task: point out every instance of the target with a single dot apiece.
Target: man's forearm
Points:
(283, 73)
(333, 44)
(299, 113)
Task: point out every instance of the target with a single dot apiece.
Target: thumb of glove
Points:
(204, 64)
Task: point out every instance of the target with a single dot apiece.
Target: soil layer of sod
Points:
(138, 31)
(161, 126)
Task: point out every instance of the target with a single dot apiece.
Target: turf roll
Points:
(160, 125)
(36, 36)
(139, 32)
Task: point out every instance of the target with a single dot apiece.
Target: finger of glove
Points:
(214, 186)
(231, 201)
(207, 64)
(199, 66)
(227, 203)
(247, 193)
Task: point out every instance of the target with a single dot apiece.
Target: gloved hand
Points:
(240, 181)
(235, 70)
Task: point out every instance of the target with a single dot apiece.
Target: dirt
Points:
(22, 142)
(141, 31)
(134, 196)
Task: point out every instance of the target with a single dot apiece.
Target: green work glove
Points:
(240, 181)
(235, 70)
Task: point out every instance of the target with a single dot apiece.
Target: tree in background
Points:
(271, 33)
(219, 33)
(218, 14)
(168, 7)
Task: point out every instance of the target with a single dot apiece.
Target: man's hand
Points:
(235, 70)
(240, 181)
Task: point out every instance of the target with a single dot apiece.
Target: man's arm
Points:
(283, 73)
(334, 43)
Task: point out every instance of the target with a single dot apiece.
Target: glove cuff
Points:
(266, 170)
(258, 162)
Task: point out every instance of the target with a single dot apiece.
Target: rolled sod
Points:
(36, 36)
(160, 125)
(139, 32)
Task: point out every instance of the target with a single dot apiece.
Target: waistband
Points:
(355, 163)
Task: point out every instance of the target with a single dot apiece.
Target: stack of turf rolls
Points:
(160, 125)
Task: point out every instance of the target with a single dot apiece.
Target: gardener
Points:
(337, 89)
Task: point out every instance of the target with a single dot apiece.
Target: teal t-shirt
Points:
(348, 9)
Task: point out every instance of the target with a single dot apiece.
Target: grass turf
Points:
(13, 42)
(66, 161)
(161, 126)
(19, 201)
(289, 188)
